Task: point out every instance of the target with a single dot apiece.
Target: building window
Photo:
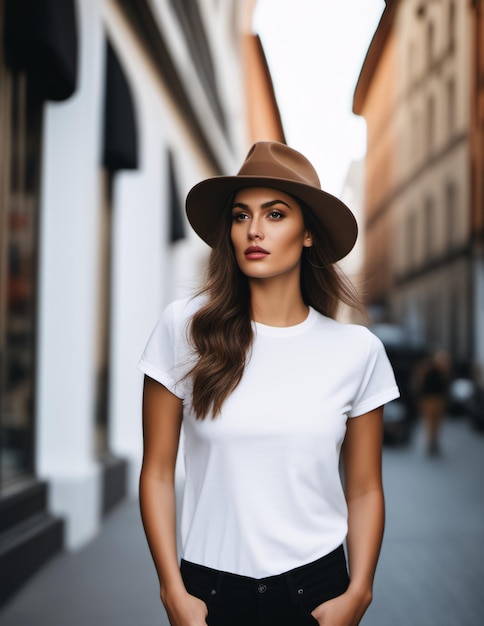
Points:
(120, 151)
(451, 213)
(453, 322)
(415, 137)
(451, 26)
(430, 124)
(20, 130)
(429, 228)
(103, 313)
(411, 239)
(430, 43)
(177, 223)
(411, 62)
(451, 113)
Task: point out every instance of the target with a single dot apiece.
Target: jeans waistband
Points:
(323, 568)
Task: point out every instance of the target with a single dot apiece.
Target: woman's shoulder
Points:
(355, 338)
(183, 309)
(345, 329)
(176, 316)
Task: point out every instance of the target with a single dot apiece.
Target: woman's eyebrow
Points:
(266, 205)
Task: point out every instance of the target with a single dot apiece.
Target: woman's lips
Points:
(256, 252)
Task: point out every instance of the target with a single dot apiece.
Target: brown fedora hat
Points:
(275, 165)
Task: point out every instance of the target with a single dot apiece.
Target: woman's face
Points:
(267, 232)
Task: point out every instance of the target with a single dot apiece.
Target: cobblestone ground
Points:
(431, 570)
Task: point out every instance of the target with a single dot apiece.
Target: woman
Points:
(263, 381)
(433, 388)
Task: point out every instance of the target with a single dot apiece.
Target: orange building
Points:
(415, 92)
(375, 100)
(261, 109)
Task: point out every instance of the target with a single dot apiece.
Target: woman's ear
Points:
(308, 239)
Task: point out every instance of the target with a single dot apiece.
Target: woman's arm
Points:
(366, 514)
(364, 494)
(162, 417)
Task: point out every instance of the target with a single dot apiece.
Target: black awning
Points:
(177, 225)
(41, 39)
(120, 131)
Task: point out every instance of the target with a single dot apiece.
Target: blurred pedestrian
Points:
(268, 388)
(433, 388)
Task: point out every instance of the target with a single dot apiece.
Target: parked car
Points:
(404, 355)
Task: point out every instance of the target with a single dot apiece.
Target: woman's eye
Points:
(239, 217)
(275, 215)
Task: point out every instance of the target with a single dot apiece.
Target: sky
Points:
(315, 50)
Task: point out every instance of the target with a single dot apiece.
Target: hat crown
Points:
(276, 160)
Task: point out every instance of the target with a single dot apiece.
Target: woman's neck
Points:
(275, 303)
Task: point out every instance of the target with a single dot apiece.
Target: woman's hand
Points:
(184, 609)
(344, 610)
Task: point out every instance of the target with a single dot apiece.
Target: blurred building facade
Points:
(352, 194)
(477, 178)
(420, 269)
(109, 112)
(375, 99)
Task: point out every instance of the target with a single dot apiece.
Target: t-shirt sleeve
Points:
(162, 357)
(378, 385)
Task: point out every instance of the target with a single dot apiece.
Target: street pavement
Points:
(431, 571)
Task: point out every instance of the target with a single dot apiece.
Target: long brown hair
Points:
(221, 330)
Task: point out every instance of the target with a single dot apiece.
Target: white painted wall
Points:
(148, 271)
(69, 201)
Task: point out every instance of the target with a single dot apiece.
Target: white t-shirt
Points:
(263, 493)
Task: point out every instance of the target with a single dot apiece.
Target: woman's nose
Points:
(255, 231)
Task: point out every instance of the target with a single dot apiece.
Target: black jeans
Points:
(283, 600)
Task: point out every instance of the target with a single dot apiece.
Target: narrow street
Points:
(432, 563)
(430, 573)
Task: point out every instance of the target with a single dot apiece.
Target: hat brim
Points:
(207, 201)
